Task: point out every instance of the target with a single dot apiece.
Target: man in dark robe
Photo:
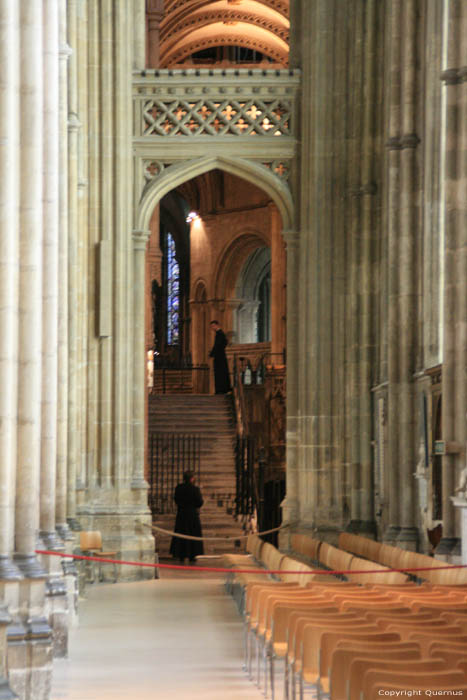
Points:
(221, 368)
(188, 498)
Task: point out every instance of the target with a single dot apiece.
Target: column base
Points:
(366, 528)
(139, 483)
(448, 545)
(408, 538)
(74, 525)
(8, 570)
(64, 532)
(391, 534)
(52, 541)
(29, 566)
(6, 692)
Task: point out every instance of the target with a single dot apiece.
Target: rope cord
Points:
(227, 537)
(246, 571)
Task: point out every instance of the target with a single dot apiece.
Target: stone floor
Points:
(177, 637)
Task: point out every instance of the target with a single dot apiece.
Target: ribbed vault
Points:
(190, 26)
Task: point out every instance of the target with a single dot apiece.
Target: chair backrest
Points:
(90, 539)
(337, 559)
(287, 565)
(364, 565)
(305, 545)
(376, 682)
(339, 664)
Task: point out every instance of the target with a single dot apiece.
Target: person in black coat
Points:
(221, 368)
(188, 498)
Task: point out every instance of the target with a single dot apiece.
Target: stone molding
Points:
(394, 143)
(281, 6)
(197, 21)
(140, 239)
(292, 239)
(399, 143)
(454, 76)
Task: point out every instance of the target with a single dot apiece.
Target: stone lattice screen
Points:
(215, 103)
(229, 116)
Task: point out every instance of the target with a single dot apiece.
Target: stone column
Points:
(95, 328)
(355, 264)
(73, 274)
(290, 506)
(139, 34)
(367, 277)
(278, 282)
(50, 278)
(393, 202)
(56, 602)
(62, 358)
(140, 239)
(9, 272)
(155, 11)
(454, 379)
(406, 297)
(30, 290)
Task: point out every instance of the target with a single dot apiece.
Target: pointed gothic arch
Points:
(180, 172)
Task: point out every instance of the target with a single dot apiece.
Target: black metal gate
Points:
(170, 455)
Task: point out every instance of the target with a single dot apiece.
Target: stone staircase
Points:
(212, 418)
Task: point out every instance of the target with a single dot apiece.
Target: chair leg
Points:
(271, 667)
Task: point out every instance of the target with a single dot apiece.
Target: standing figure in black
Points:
(188, 498)
(221, 368)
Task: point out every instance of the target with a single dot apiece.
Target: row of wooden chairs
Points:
(313, 627)
(397, 558)
(341, 559)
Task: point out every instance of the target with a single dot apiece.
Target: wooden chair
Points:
(90, 542)
(374, 683)
(360, 666)
(342, 657)
(309, 667)
(282, 620)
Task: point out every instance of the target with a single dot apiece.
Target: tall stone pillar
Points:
(290, 506)
(140, 239)
(368, 273)
(393, 218)
(139, 34)
(30, 290)
(354, 389)
(155, 12)
(278, 282)
(50, 278)
(62, 340)
(406, 297)
(454, 417)
(9, 273)
(322, 221)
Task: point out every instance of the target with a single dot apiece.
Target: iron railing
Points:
(173, 379)
(170, 455)
(246, 492)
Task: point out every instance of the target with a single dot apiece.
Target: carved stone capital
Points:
(64, 52)
(74, 123)
(394, 143)
(140, 239)
(450, 76)
(410, 141)
(292, 239)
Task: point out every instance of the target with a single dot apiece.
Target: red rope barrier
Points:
(216, 569)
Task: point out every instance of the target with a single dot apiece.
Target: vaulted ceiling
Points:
(190, 26)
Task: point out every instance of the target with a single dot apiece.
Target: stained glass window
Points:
(173, 293)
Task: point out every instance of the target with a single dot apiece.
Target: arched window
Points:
(264, 308)
(173, 292)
